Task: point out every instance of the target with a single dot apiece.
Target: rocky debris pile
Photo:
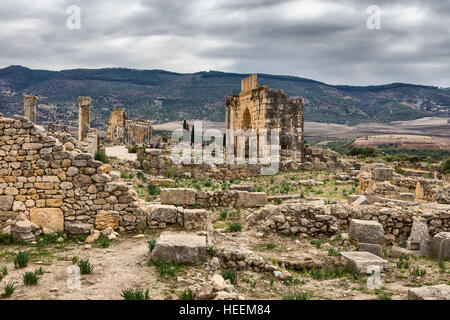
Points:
(239, 257)
(161, 216)
(216, 288)
(368, 233)
(437, 292)
(217, 198)
(23, 229)
(308, 219)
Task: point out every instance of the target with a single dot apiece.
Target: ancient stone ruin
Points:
(123, 130)
(258, 107)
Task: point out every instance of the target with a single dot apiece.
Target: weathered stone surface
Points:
(437, 292)
(105, 219)
(440, 245)
(6, 203)
(179, 196)
(183, 248)
(367, 231)
(370, 247)
(78, 228)
(51, 218)
(361, 200)
(251, 199)
(382, 173)
(419, 239)
(162, 213)
(360, 261)
(195, 219)
(241, 187)
(81, 180)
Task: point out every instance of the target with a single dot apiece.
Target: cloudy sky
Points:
(326, 40)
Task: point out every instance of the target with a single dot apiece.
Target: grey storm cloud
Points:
(320, 39)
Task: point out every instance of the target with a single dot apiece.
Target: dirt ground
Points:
(124, 265)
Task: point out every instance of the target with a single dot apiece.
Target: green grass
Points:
(85, 266)
(234, 227)
(317, 243)
(151, 244)
(21, 260)
(186, 295)
(135, 294)
(9, 290)
(298, 295)
(31, 278)
(103, 241)
(230, 274)
(166, 267)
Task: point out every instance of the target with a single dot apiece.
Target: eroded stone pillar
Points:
(84, 105)
(29, 107)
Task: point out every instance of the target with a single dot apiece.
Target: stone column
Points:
(29, 107)
(84, 105)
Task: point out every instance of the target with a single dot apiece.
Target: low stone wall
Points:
(315, 219)
(217, 198)
(41, 180)
(161, 216)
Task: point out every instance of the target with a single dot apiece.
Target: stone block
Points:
(50, 218)
(105, 219)
(440, 245)
(195, 219)
(360, 261)
(241, 187)
(78, 228)
(366, 231)
(370, 247)
(162, 213)
(182, 248)
(178, 196)
(437, 292)
(251, 199)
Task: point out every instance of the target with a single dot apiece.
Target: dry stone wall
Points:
(59, 189)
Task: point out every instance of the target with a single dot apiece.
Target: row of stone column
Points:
(84, 107)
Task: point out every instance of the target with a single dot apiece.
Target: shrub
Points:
(135, 294)
(7, 239)
(234, 227)
(101, 156)
(153, 190)
(21, 260)
(74, 259)
(9, 290)
(186, 295)
(223, 214)
(151, 245)
(231, 275)
(85, 266)
(446, 166)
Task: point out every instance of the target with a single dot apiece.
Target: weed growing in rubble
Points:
(31, 278)
(85, 266)
(9, 290)
(298, 295)
(333, 252)
(316, 243)
(234, 227)
(135, 294)
(166, 267)
(186, 295)
(103, 241)
(151, 244)
(418, 272)
(230, 275)
(22, 259)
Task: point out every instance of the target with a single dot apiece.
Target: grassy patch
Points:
(85, 266)
(135, 294)
(21, 260)
(230, 275)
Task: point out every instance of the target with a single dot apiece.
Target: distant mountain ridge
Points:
(165, 96)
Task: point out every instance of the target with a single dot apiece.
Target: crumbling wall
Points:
(41, 180)
(123, 130)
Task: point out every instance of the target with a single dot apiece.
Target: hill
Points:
(167, 96)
